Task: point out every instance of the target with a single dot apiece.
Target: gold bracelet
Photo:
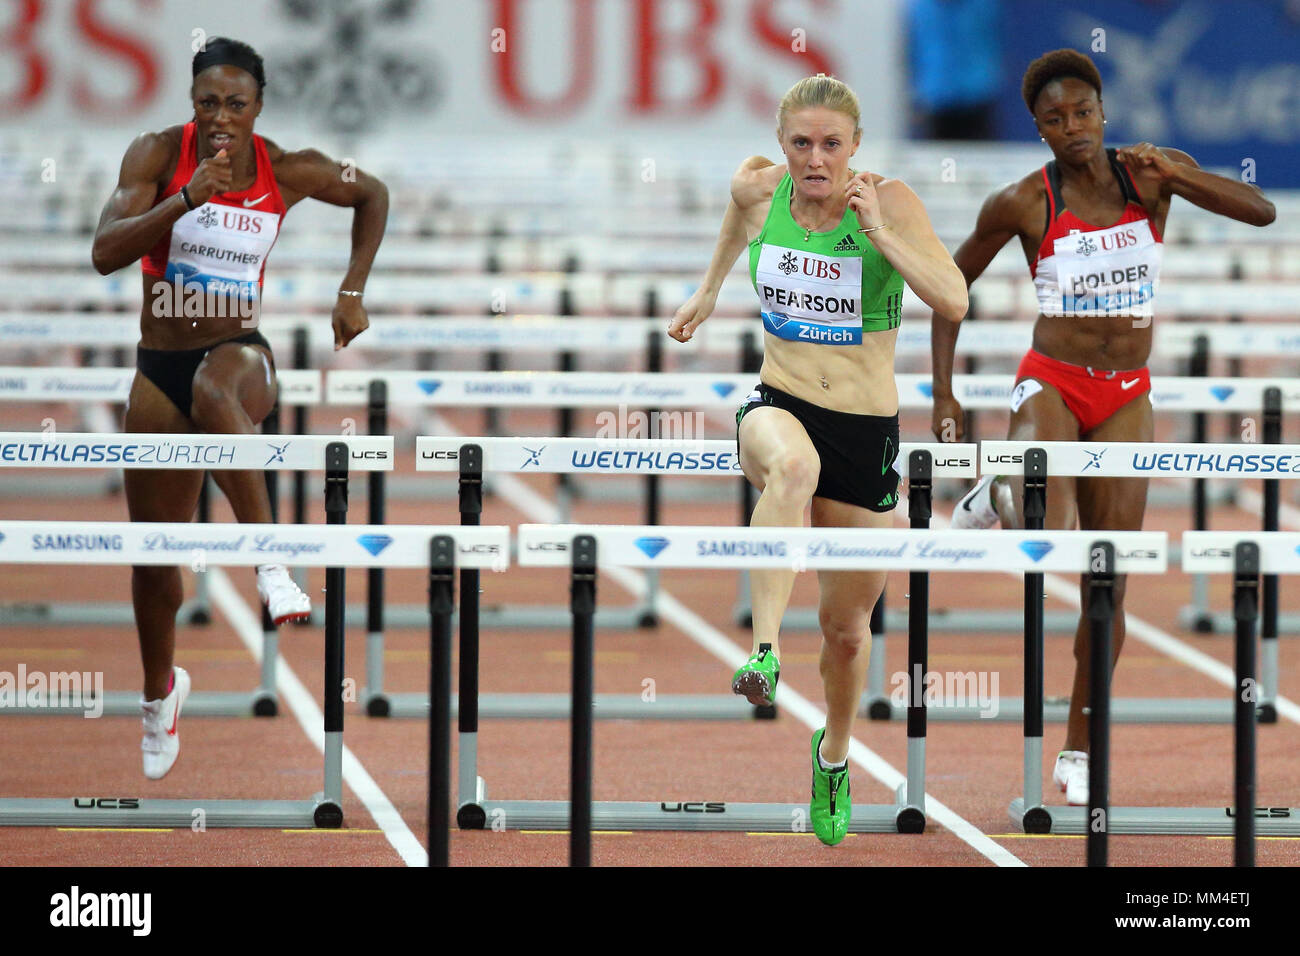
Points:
(874, 228)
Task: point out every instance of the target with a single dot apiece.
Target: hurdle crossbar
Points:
(75, 450)
(334, 546)
(715, 458)
(1170, 460)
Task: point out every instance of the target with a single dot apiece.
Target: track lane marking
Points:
(303, 707)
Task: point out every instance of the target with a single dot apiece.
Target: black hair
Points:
(1057, 65)
(222, 51)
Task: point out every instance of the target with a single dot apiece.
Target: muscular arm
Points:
(996, 225)
(747, 189)
(911, 246)
(311, 173)
(732, 240)
(1180, 175)
(130, 224)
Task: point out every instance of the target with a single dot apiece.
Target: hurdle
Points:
(1245, 555)
(1150, 459)
(111, 385)
(472, 458)
(919, 550)
(190, 452)
(330, 546)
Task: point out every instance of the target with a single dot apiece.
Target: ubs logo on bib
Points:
(1086, 246)
(208, 217)
(787, 264)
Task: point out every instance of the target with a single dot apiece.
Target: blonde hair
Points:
(820, 90)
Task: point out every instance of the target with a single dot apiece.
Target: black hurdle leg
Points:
(583, 605)
(469, 814)
(330, 810)
(377, 702)
(442, 565)
(1268, 676)
(301, 360)
(920, 471)
(1036, 819)
(1101, 619)
(1245, 602)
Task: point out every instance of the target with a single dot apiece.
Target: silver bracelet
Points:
(349, 292)
(874, 228)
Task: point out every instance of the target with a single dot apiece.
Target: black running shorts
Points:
(857, 452)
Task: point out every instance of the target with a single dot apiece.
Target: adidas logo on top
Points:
(846, 245)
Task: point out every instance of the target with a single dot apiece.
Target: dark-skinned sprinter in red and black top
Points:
(1090, 224)
(200, 205)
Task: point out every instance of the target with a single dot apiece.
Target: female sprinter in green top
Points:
(829, 251)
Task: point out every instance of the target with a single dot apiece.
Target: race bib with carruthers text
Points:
(222, 248)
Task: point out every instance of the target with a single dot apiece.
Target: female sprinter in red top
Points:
(201, 205)
(1090, 224)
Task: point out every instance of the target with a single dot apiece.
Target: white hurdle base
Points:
(558, 706)
(99, 812)
(542, 617)
(1196, 821)
(257, 703)
(629, 815)
(48, 613)
(1148, 710)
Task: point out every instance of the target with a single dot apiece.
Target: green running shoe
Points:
(831, 806)
(757, 679)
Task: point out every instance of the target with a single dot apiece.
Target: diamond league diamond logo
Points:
(723, 389)
(1036, 550)
(2, 539)
(651, 547)
(1222, 392)
(926, 389)
(429, 385)
(374, 543)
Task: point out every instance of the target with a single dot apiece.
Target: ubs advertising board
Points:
(384, 69)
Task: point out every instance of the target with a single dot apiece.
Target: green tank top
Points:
(821, 287)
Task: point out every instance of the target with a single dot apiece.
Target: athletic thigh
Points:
(1117, 503)
(848, 596)
(771, 439)
(158, 495)
(1045, 417)
(242, 370)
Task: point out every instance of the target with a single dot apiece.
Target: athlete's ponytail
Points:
(820, 90)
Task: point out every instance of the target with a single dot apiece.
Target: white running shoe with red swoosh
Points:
(162, 742)
(281, 596)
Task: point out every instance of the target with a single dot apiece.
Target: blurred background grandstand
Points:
(570, 155)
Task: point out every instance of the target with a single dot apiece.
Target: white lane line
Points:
(733, 655)
(303, 706)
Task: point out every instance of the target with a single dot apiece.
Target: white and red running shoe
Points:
(162, 743)
(281, 596)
